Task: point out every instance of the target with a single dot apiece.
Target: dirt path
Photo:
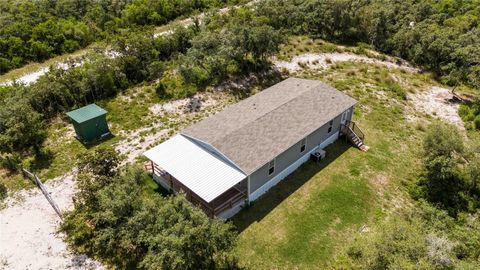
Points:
(33, 76)
(324, 60)
(28, 230)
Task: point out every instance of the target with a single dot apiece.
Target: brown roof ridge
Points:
(270, 112)
(279, 107)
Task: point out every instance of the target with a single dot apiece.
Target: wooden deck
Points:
(222, 203)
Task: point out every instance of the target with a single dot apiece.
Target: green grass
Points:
(63, 150)
(298, 222)
(130, 111)
(303, 222)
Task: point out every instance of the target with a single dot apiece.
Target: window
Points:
(303, 145)
(271, 167)
(330, 127)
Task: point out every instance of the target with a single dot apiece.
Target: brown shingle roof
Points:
(254, 131)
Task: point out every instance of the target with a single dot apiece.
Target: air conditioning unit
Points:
(318, 155)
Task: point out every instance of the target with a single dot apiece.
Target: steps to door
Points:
(351, 130)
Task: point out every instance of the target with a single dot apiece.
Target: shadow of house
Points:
(277, 194)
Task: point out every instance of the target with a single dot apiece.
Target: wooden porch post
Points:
(153, 167)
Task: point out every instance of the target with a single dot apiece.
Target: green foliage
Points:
(126, 227)
(446, 182)
(229, 45)
(40, 30)
(21, 128)
(443, 40)
(443, 140)
(470, 114)
(425, 238)
(391, 86)
(101, 162)
(3, 192)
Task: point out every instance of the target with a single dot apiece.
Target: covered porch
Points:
(209, 182)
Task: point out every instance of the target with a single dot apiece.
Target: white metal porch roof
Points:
(199, 170)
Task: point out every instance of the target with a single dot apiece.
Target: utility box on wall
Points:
(90, 123)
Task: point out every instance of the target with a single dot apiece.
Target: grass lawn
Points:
(297, 223)
(306, 220)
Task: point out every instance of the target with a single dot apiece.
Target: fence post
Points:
(40, 185)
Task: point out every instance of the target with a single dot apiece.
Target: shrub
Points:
(128, 228)
(476, 122)
(396, 89)
(10, 161)
(3, 192)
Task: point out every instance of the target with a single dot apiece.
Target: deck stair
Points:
(353, 133)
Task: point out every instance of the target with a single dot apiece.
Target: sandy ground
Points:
(324, 60)
(437, 102)
(28, 230)
(34, 76)
(178, 111)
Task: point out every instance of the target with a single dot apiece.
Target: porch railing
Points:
(177, 186)
(230, 203)
(350, 126)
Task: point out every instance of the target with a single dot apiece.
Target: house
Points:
(238, 154)
(90, 123)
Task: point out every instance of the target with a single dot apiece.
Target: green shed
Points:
(90, 123)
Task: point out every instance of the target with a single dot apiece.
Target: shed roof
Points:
(256, 130)
(201, 171)
(86, 113)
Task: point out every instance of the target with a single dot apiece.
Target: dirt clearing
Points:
(324, 60)
(437, 102)
(28, 230)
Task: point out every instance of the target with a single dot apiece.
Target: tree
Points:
(127, 227)
(263, 42)
(21, 128)
(95, 171)
(445, 183)
(443, 140)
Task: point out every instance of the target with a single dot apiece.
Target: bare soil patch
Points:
(28, 230)
(324, 60)
(437, 102)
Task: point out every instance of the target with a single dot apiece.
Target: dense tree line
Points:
(35, 31)
(24, 110)
(116, 220)
(441, 36)
(229, 46)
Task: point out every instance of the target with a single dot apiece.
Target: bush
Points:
(396, 89)
(3, 192)
(128, 228)
(10, 161)
(476, 122)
